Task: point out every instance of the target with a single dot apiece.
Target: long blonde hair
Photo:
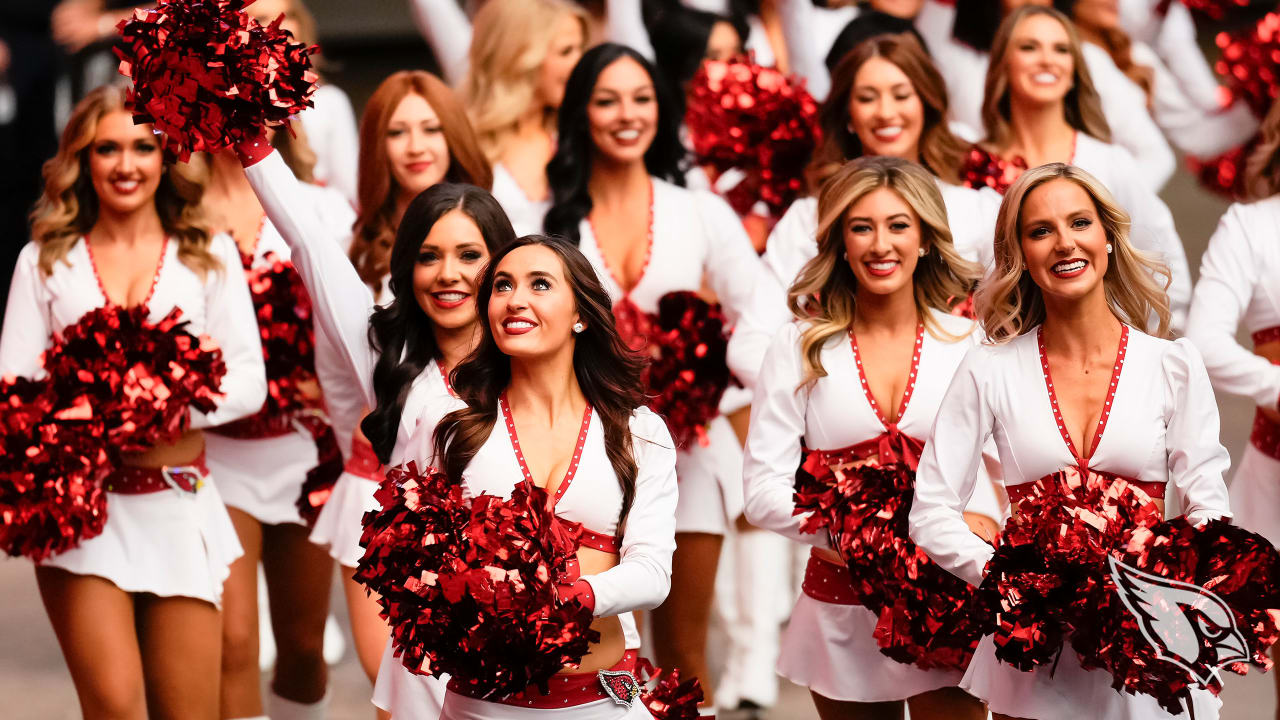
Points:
(824, 293)
(68, 208)
(1082, 107)
(508, 46)
(1009, 303)
(1262, 171)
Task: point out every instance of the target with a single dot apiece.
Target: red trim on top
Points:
(445, 377)
(906, 392)
(1267, 335)
(155, 279)
(648, 253)
(257, 240)
(599, 541)
(524, 467)
(1083, 460)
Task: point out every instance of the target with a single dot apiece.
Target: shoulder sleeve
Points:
(340, 300)
(642, 577)
(1132, 127)
(773, 449)
(231, 322)
(448, 31)
(1194, 129)
(624, 24)
(1196, 458)
(1228, 276)
(949, 471)
(27, 324)
(808, 58)
(733, 269)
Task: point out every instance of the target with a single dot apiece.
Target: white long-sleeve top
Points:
(331, 132)
(216, 304)
(1132, 126)
(340, 301)
(971, 214)
(1195, 128)
(1162, 427)
(1173, 37)
(810, 32)
(525, 213)
(835, 413)
(590, 495)
(1238, 284)
(447, 30)
(963, 68)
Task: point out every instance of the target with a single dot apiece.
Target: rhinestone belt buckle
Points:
(184, 478)
(620, 685)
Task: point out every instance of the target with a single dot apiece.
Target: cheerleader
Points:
(818, 38)
(265, 464)
(1040, 107)
(872, 309)
(553, 397)
(137, 608)
(613, 178)
(415, 136)
(889, 100)
(330, 124)
(511, 71)
(1069, 379)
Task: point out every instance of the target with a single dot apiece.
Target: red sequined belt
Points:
(827, 581)
(572, 689)
(363, 462)
(140, 481)
(1154, 490)
(1265, 436)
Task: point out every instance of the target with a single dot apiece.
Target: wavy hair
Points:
(401, 332)
(1262, 171)
(607, 371)
(1119, 47)
(68, 207)
(941, 152)
(824, 294)
(508, 46)
(1009, 303)
(1082, 107)
(376, 189)
(569, 169)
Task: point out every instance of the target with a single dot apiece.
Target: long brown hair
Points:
(68, 208)
(1082, 107)
(607, 371)
(824, 293)
(1262, 172)
(1119, 46)
(941, 152)
(1008, 301)
(376, 189)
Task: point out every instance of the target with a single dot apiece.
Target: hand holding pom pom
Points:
(210, 77)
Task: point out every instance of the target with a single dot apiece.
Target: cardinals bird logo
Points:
(1186, 624)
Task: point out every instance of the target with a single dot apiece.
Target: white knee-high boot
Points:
(279, 708)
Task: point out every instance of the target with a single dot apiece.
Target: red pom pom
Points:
(983, 169)
(321, 479)
(1215, 10)
(139, 377)
(754, 120)
(51, 473)
(1250, 62)
(473, 588)
(210, 77)
(665, 696)
(1225, 174)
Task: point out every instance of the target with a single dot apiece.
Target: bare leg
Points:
(368, 629)
(241, 695)
(680, 623)
(181, 642)
(829, 709)
(299, 577)
(94, 622)
(946, 704)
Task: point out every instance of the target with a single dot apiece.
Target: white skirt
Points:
(461, 707)
(169, 543)
(831, 650)
(341, 520)
(1065, 692)
(405, 695)
(710, 479)
(1255, 494)
(262, 477)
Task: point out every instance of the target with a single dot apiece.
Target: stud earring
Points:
(579, 327)
(1108, 248)
(923, 252)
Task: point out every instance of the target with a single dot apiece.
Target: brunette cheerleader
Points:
(136, 608)
(553, 397)
(1069, 380)
(415, 136)
(614, 179)
(887, 99)
(872, 309)
(1039, 107)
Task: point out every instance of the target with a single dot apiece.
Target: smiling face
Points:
(885, 110)
(448, 266)
(416, 149)
(532, 309)
(1038, 62)
(623, 112)
(567, 44)
(125, 163)
(1064, 244)
(882, 241)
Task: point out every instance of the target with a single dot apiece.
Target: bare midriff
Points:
(183, 452)
(612, 645)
